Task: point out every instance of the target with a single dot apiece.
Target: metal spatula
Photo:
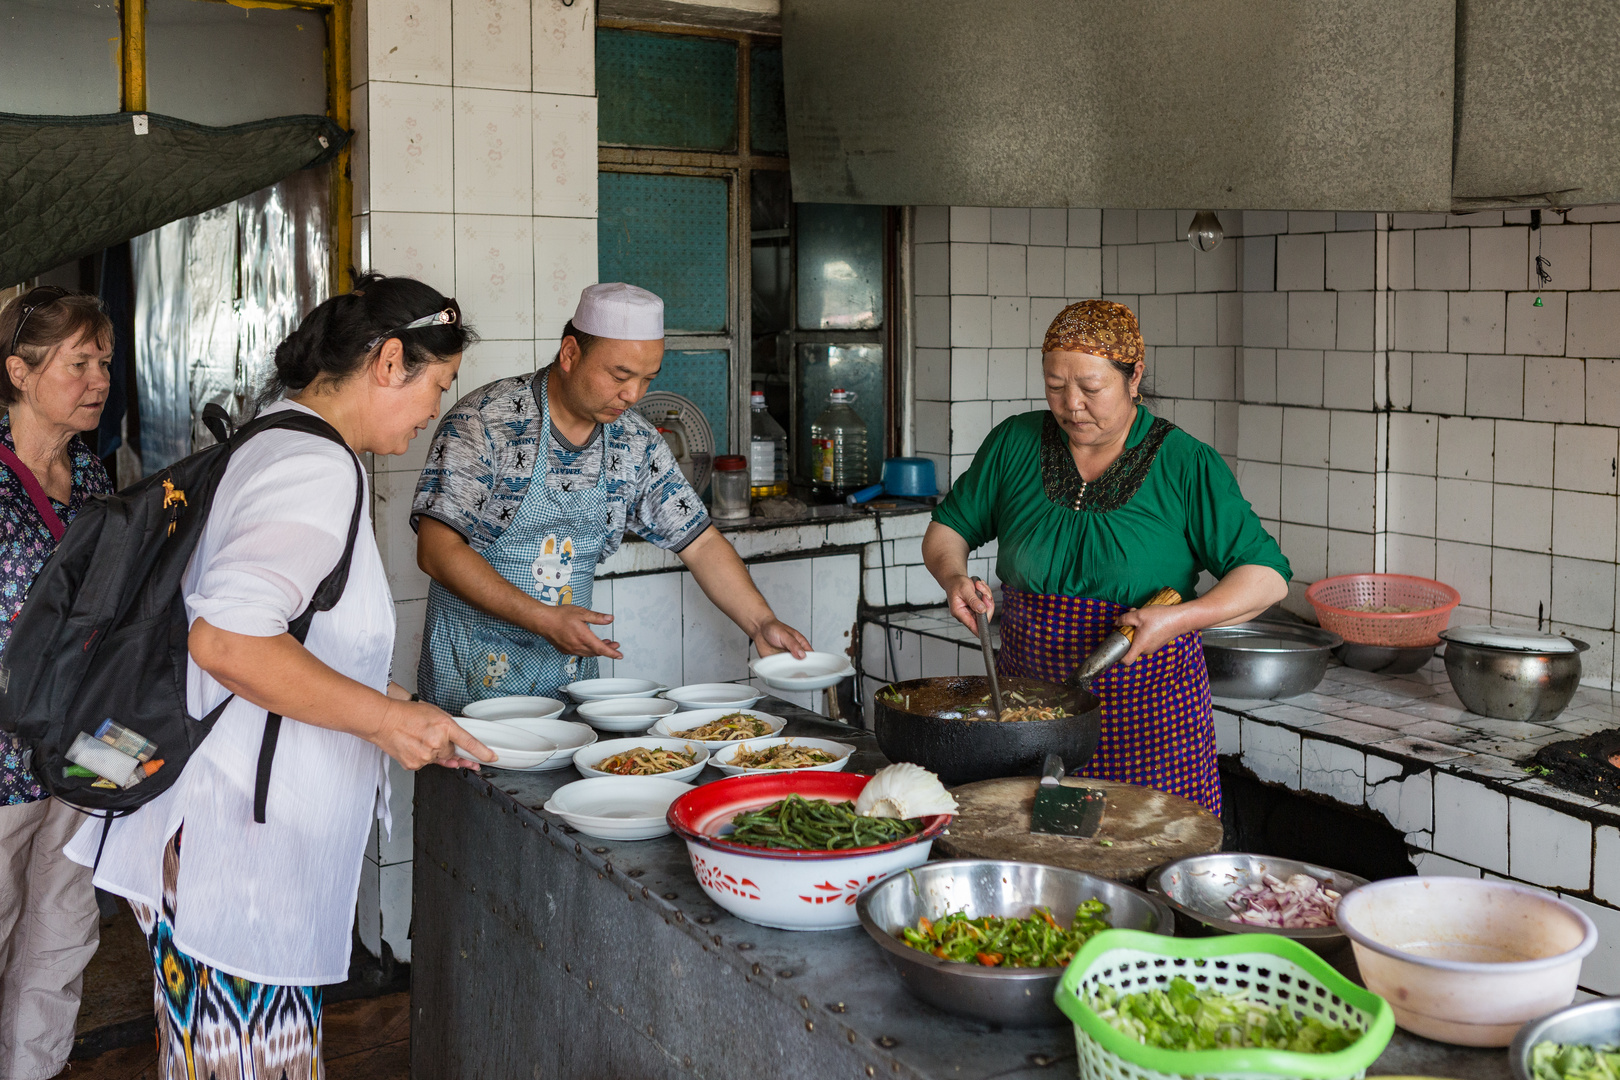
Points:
(989, 658)
(1065, 811)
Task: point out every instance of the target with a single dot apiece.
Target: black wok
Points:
(922, 721)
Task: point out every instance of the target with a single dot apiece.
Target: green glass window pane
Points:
(840, 267)
(667, 234)
(825, 368)
(702, 377)
(767, 107)
(666, 90)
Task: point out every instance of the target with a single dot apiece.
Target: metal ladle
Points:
(989, 657)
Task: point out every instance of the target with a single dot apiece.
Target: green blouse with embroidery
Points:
(1166, 509)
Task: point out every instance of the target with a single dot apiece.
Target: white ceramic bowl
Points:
(790, 890)
(840, 751)
(586, 760)
(676, 726)
(601, 689)
(514, 749)
(1463, 960)
(567, 734)
(817, 671)
(714, 695)
(514, 708)
(617, 807)
(635, 714)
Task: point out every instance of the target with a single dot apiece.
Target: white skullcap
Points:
(620, 311)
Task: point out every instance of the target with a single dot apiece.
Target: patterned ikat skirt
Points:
(214, 1026)
(1158, 729)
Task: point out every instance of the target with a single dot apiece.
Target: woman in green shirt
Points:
(1098, 504)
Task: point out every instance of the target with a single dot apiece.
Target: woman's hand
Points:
(415, 734)
(1155, 626)
(968, 598)
(568, 629)
(774, 636)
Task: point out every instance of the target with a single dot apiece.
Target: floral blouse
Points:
(25, 544)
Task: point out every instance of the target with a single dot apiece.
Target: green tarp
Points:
(72, 185)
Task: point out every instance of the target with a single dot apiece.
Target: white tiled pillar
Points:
(475, 171)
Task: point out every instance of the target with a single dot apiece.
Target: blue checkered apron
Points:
(549, 551)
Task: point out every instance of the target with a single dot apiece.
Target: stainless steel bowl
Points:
(1267, 659)
(1510, 684)
(1012, 997)
(1197, 887)
(1596, 1023)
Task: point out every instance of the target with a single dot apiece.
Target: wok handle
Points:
(1164, 596)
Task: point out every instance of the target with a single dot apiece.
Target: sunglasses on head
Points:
(32, 301)
(450, 316)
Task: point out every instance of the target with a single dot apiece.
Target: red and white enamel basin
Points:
(790, 890)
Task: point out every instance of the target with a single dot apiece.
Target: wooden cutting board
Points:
(1142, 829)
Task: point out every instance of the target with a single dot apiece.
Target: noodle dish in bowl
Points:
(782, 754)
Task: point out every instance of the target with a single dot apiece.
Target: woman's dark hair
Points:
(49, 317)
(341, 335)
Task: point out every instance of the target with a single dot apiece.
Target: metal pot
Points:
(1594, 1023)
(924, 721)
(1015, 997)
(1267, 659)
(1511, 684)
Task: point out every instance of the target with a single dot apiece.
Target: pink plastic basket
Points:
(1335, 599)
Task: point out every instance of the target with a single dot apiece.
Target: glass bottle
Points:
(729, 488)
(838, 447)
(767, 452)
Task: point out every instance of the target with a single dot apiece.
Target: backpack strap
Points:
(36, 493)
(327, 594)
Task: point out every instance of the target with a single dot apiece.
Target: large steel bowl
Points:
(1267, 659)
(1593, 1023)
(925, 721)
(1012, 997)
(1510, 684)
(1197, 887)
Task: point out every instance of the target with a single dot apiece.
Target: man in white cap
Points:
(530, 482)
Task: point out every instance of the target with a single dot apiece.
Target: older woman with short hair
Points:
(1097, 505)
(53, 383)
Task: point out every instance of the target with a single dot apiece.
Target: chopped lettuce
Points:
(1183, 1017)
(1573, 1061)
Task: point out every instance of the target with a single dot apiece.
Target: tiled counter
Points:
(1398, 746)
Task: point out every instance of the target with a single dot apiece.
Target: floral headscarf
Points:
(1100, 327)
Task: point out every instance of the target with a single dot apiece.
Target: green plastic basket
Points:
(1272, 969)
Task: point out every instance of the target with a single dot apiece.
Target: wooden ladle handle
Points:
(1166, 595)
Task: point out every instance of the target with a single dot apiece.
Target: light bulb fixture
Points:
(1205, 232)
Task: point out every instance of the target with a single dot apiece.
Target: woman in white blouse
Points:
(248, 921)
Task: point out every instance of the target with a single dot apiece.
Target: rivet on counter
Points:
(835, 1006)
(758, 970)
(785, 973)
(705, 919)
(809, 1025)
(600, 850)
(1042, 1060)
(671, 896)
(634, 873)
(888, 1042)
(804, 1003)
(871, 1071)
(744, 946)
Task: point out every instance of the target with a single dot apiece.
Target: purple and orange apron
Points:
(1158, 729)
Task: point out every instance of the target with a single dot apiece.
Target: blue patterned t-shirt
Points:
(25, 544)
(482, 459)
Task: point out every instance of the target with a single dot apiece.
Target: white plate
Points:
(599, 689)
(625, 714)
(514, 708)
(817, 671)
(617, 807)
(714, 695)
(514, 748)
(676, 726)
(568, 735)
(841, 751)
(586, 760)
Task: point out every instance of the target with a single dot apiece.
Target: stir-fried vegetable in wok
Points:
(1016, 706)
(799, 824)
(729, 728)
(644, 761)
(1037, 940)
(1184, 1017)
(785, 756)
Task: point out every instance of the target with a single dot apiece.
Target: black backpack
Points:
(103, 632)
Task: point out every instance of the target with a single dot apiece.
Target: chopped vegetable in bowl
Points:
(1300, 903)
(645, 761)
(1183, 1017)
(1036, 940)
(799, 824)
(1574, 1061)
(786, 756)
